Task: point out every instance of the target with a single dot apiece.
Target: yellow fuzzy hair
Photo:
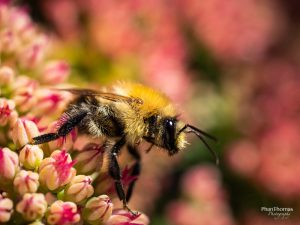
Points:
(154, 102)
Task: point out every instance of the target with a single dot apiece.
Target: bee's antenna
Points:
(200, 133)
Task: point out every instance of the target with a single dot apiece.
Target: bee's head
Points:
(170, 134)
(171, 139)
(162, 132)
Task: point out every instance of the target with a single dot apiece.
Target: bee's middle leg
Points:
(115, 172)
(136, 169)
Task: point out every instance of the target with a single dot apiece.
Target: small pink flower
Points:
(19, 19)
(63, 213)
(26, 182)
(98, 210)
(127, 178)
(9, 164)
(32, 206)
(9, 41)
(122, 217)
(90, 158)
(6, 208)
(105, 183)
(57, 170)
(23, 132)
(55, 72)
(7, 111)
(6, 75)
(33, 54)
(79, 189)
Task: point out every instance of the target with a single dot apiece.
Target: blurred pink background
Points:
(231, 67)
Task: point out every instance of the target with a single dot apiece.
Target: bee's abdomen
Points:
(101, 119)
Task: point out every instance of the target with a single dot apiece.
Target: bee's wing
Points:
(105, 95)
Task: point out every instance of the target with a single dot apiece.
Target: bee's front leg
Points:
(115, 172)
(136, 169)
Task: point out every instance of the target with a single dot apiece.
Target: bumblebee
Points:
(126, 114)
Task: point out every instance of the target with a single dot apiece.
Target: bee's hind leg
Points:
(115, 172)
(136, 169)
(62, 131)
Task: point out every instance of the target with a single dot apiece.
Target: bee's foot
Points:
(134, 213)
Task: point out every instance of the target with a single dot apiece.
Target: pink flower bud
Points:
(79, 189)
(120, 217)
(50, 102)
(98, 210)
(57, 170)
(26, 182)
(63, 213)
(40, 123)
(32, 206)
(90, 158)
(24, 89)
(6, 208)
(9, 164)
(6, 75)
(31, 156)
(55, 72)
(23, 132)
(6, 111)
(23, 82)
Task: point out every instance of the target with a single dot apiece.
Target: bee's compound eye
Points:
(170, 124)
(170, 128)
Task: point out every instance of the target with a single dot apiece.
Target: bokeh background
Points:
(231, 67)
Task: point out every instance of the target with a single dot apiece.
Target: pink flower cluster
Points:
(149, 38)
(234, 30)
(270, 154)
(40, 184)
(205, 200)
